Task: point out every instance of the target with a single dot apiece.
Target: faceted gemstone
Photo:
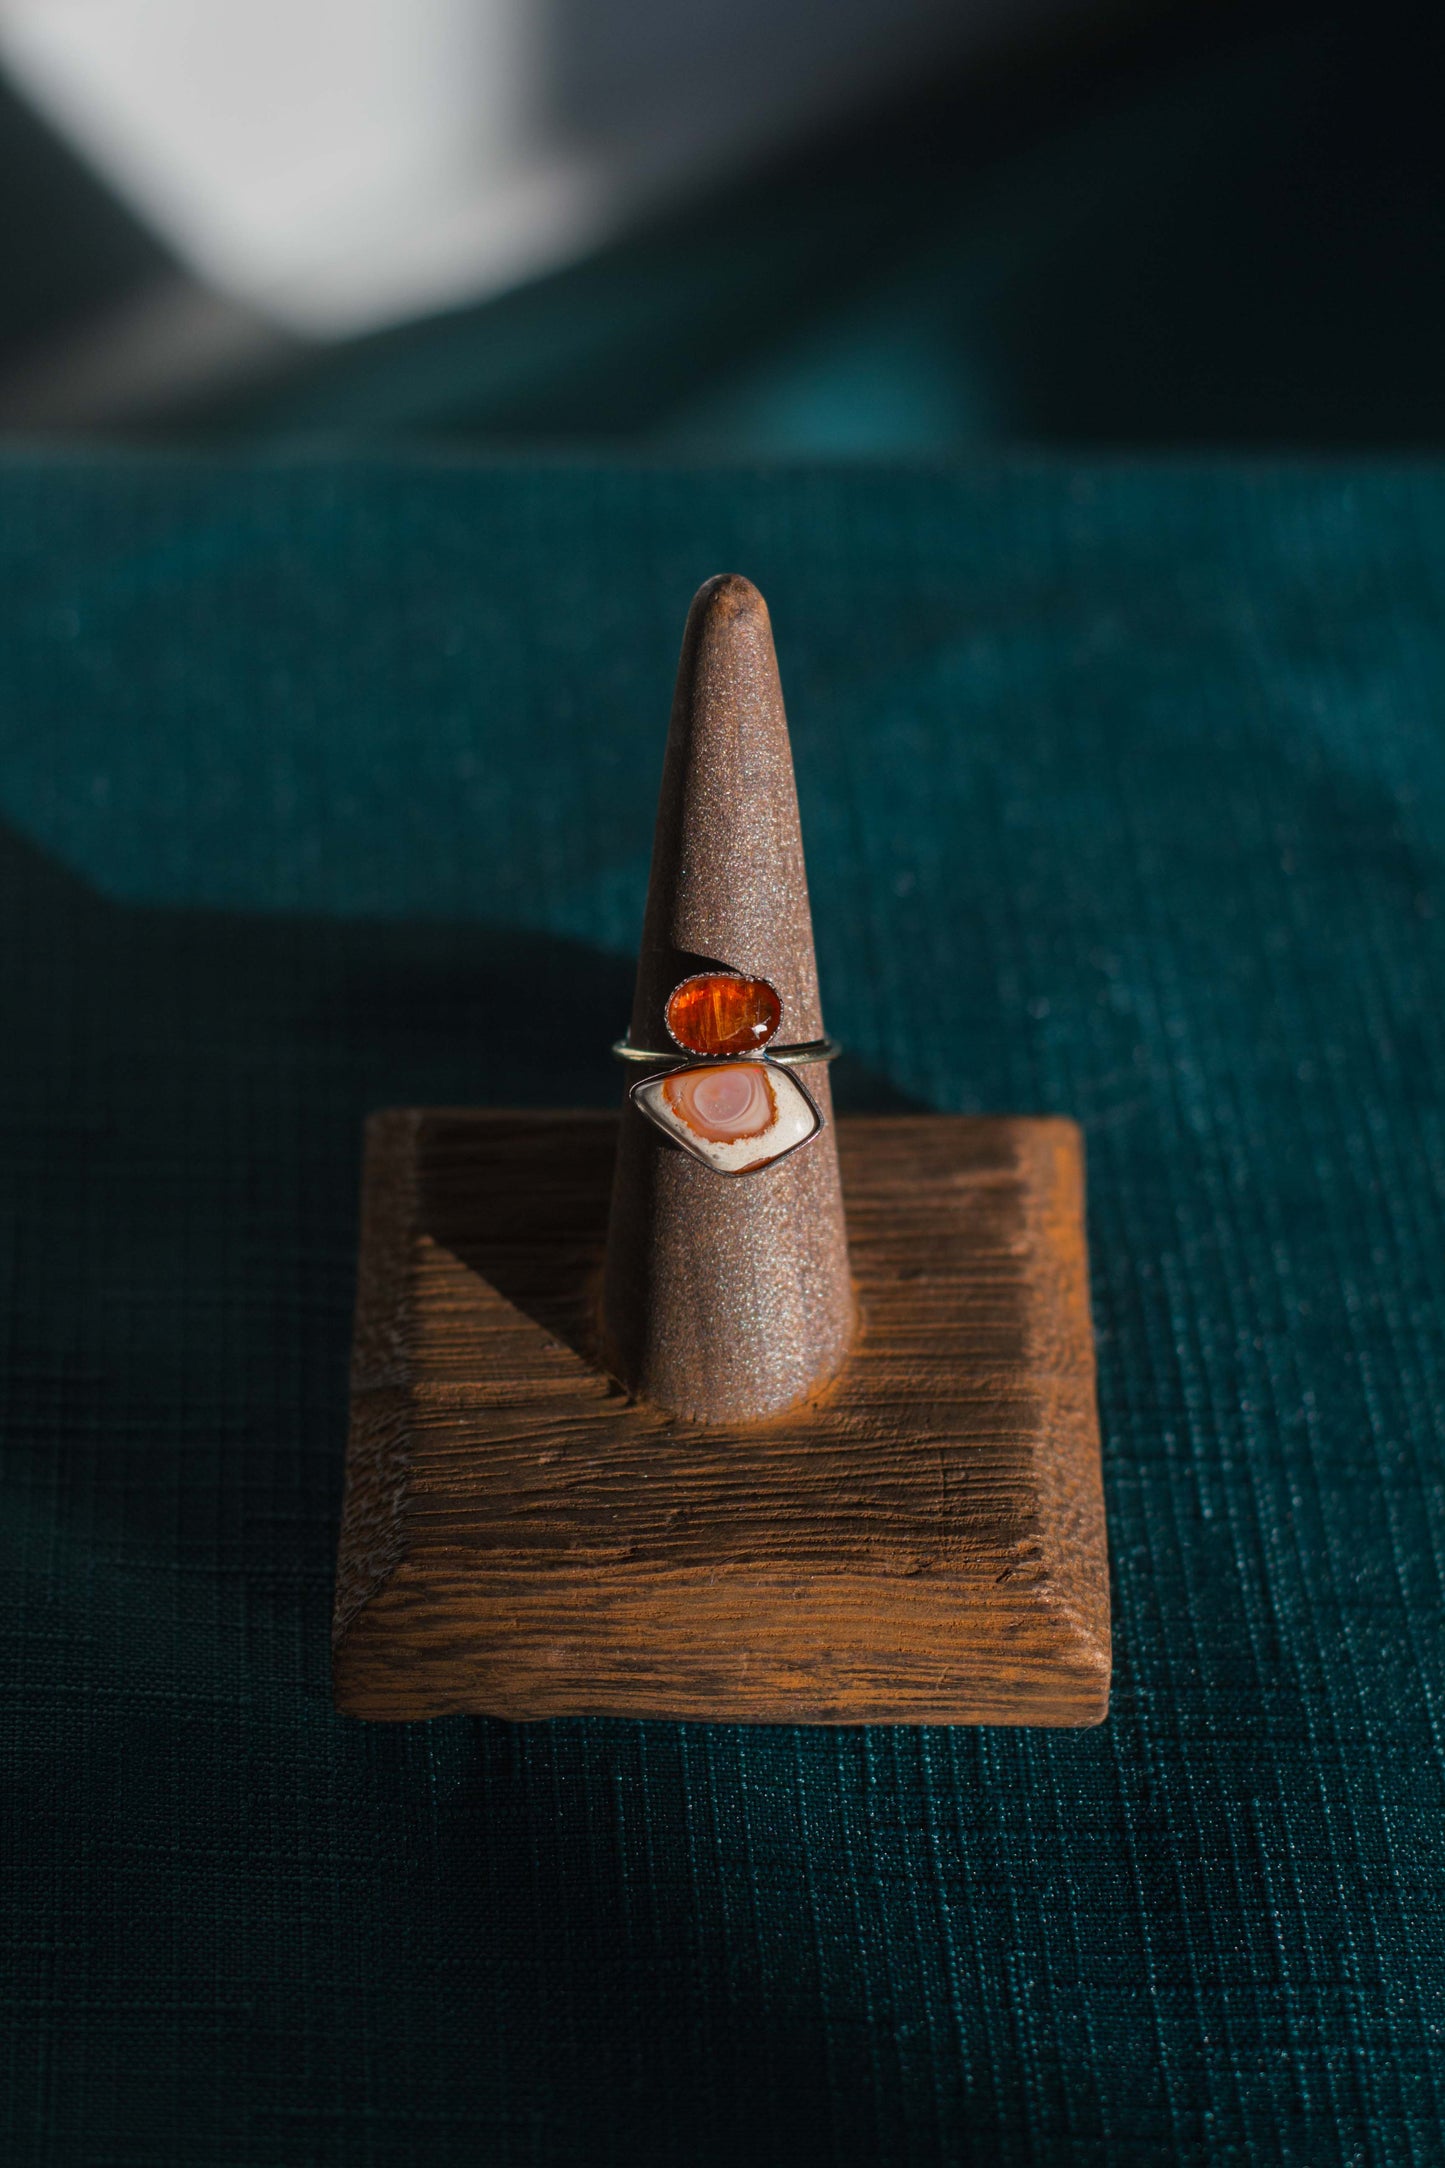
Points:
(735, 1116)
(719, 1013)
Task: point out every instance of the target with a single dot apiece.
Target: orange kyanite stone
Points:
(718, 1013)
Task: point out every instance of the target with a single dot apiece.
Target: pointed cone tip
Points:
(727, 595)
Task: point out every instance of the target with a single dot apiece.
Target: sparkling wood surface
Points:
(922, 1543)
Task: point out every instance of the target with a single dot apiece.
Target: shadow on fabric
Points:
(488, 1926)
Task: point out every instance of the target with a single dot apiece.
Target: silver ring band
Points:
(786, 1057)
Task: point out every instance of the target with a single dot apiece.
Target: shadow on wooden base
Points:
(922, 1544)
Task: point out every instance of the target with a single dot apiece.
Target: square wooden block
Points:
(924, 1543)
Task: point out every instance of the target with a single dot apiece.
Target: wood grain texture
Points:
(922, 1543)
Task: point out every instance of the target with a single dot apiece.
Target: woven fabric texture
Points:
(328, 787)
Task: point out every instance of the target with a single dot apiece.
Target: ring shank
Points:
(787, 1057)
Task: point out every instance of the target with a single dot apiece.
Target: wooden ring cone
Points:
(727, 1301)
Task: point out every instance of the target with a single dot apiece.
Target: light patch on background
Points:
(341, 164)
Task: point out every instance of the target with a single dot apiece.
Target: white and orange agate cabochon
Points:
(737, 1117)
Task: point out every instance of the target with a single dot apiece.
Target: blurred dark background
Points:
(1155, 227)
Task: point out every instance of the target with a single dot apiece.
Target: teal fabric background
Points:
(326, 787)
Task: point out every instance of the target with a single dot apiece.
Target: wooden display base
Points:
(924, 1543)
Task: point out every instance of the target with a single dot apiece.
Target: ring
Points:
(736, 1109)
(786, 1057)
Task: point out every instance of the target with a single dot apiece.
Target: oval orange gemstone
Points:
(719, 1013)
